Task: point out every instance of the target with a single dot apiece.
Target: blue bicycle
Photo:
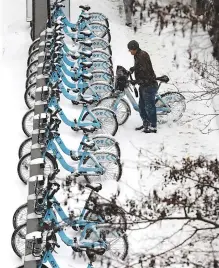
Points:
(90, 120)
(94, 219)
(170, 105)
(92, 165)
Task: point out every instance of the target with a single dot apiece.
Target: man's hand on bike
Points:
(131, 70)
(133, 82)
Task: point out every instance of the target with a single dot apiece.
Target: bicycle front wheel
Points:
(177, 104)
(34, 45)
(18, 240)
(31, 79)
(32, 68)
(110, 163)
(29, 95)
(33, 56)
(27, 122)
(25, 147)
(20, 216)
(23, 167)
(122, 109)
(106, 117)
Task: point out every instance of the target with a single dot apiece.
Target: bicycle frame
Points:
(96, 170)
(73, 124)
(127, 92)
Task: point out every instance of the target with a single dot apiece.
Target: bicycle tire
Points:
(169, 98)
(102, 29)
(100, 43)
(122, 117)
(107, 209)
(110, 114)
(29, 96)
(33, 56)
(34, 45)
(17, 235)
(31, 79)
(111, 159)
(28, 130)
(42, 266)
(48, 157)
(25, 147)
(100, 75)
(33, 66)
(101, 54)
(110, 144)
(20, 210)
(99, 17)
(101, 88)
(104, 234)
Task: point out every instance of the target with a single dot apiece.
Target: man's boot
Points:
(139, 128)
(150, 130)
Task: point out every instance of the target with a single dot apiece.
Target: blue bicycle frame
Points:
(160, 110)
(96, 170)
(73, 124)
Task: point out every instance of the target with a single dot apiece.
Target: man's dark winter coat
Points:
(144, 73)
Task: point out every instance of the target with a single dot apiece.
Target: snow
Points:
(172, 142)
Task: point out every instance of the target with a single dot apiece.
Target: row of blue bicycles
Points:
(77, 66)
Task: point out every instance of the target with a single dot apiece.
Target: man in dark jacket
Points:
(148, 86)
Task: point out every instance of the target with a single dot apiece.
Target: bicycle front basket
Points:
(121, 79)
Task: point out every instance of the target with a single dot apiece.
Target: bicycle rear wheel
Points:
(110, 213)
(106, 143)
(117, 242)
(110, 163)
(106, 117)
(25, 147)
(177, 104)
(20, 216)
(122, 111)
(102, 89)
(96, 16)
(18, 240)
(23, 167)
(100, 30)
(27, 122)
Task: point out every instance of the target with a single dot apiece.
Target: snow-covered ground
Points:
(173, 141)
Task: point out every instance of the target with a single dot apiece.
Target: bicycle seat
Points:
(86, 7)
(87, 64)
(86, 32)
(96, 188)
(87, 76)
(87, 43)
(163, 78)
(86, 53)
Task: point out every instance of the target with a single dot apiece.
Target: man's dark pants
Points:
(147, 108)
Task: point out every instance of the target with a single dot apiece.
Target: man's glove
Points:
(131, 70)
(133, 82)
